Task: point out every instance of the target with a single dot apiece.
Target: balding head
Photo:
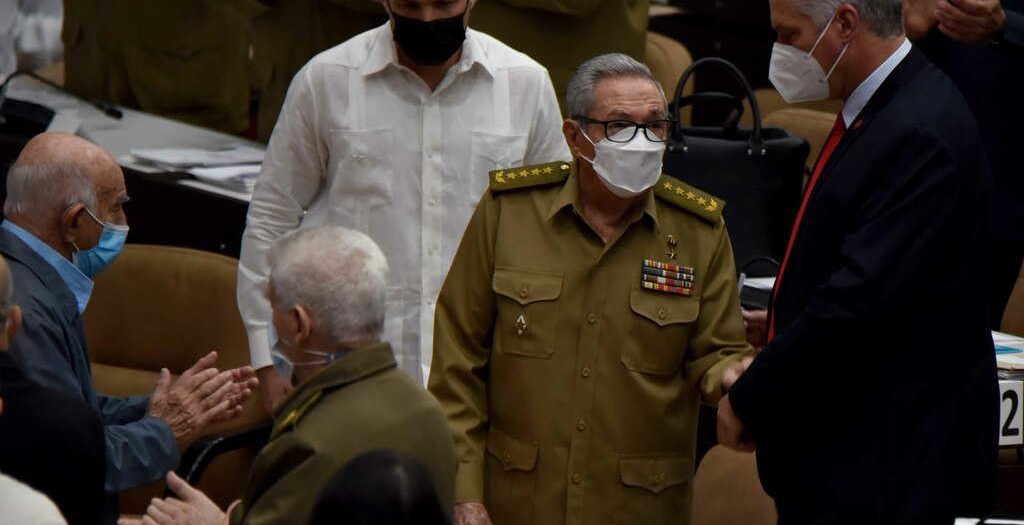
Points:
(56, 178)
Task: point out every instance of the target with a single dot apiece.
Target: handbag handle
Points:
(733, 120)
(755, 143)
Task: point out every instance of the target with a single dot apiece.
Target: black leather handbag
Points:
(758, 172)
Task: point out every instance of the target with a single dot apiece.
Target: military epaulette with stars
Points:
(289, 421)
(529, 176)
(690, 199)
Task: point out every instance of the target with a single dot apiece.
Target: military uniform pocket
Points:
(511, 479)
(657, 489)
(527, 311)
(662, 327)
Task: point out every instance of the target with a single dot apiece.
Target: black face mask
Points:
(429, 43)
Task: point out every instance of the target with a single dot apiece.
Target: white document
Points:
(196, 157)
(227, 173)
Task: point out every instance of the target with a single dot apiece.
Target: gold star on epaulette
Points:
(536, 172)
(548, 170)
(500, 177)
(684, 197)
(512, 175)
(524, 173)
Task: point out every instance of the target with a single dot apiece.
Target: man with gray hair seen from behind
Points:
(64, 223)
(875, 397)
(590, 308)
(327, 292)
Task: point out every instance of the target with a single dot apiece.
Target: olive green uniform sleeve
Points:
(464, 322)
(721, 337)
(281, 483)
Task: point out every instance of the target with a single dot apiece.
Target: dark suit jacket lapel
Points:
(899, 77)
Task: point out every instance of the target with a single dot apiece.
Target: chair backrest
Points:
(727, 491)
(1013, 316)
(161, 306)
(668, 58)
(812, 125)
(769, 100)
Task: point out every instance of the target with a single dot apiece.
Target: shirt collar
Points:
(569, 197)
(383, 53)
(860, 97)
(76, 281)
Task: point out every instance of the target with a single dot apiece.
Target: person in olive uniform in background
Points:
(584, 29)
(183, 59)
(327, 288)
(589, 308)
(286, 34)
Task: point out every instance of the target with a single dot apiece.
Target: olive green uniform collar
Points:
(569, 198)
(357, 365)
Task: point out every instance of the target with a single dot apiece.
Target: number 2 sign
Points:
(1011, 417)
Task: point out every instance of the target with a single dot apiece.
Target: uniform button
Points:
(591, 318)
(662, 313)
(585, 372)
(581, 425)
(577, 479)
(524, 293)
(433, 202)
(658, 479)
(507, 458)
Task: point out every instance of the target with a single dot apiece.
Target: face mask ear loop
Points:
(591, 161)
(822, 35)
(836, 63)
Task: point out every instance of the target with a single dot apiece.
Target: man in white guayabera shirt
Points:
(393, 133)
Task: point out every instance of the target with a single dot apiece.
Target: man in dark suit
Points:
(51, 441)
(980, 45)
(875, 399)
(64, 223)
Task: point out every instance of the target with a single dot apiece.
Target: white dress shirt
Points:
(855, 103)
(362, 142)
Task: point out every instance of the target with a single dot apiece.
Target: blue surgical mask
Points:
(92, 262)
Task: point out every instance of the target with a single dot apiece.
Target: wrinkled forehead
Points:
(628, 98)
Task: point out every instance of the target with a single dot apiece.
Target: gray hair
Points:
(580, 92)
(338, 274)
(47, 188)
(883, 17)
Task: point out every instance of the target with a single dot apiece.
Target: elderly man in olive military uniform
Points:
(327, 289)
(590, 307)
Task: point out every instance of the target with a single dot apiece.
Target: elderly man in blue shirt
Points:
(64, 224)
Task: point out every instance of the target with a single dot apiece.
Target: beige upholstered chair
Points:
(769, 101)
(727, 491)
(160, 306)
(667, 59)
(812, 125)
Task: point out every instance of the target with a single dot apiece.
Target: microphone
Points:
(105, 108)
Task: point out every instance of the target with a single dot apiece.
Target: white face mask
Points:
(321, 358)
(797, 75)
(627, 169)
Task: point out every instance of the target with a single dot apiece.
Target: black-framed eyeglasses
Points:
(623, 131)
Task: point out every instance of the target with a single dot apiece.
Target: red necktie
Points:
(830, 146)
